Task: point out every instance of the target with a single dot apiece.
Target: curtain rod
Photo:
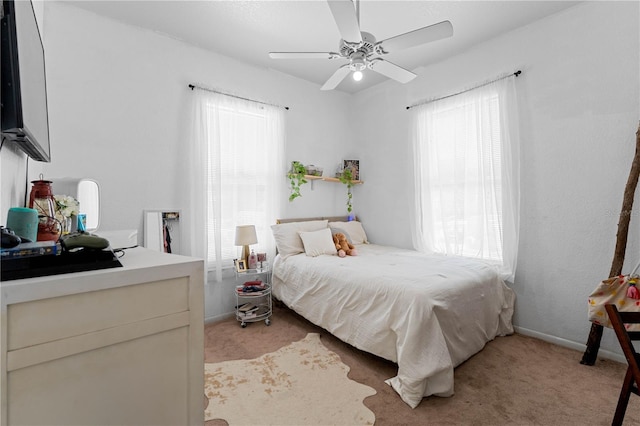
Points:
(515, 74)
(193, 86)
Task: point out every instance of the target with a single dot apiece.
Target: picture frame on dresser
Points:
(241, 265)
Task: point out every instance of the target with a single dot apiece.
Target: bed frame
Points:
(329, 218)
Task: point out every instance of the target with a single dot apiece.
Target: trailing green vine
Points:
(347, 178)
(296, 179)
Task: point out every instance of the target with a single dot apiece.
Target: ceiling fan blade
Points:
(304, 55)
(391, 70)
(336, 78)
(413, 38)
(344, 13)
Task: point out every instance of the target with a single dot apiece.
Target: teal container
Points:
(82, 222)
(23, 222)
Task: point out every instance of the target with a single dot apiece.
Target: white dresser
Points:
(120, 346)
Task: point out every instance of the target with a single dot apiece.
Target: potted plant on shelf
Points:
(296, 179)
(347, 178)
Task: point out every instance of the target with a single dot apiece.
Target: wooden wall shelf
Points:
(312, 178)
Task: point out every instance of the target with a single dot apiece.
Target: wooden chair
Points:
(632, 378)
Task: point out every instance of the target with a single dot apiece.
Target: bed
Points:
(427, 313)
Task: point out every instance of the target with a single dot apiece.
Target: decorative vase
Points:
(66, 225)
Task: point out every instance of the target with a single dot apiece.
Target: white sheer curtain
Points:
(466, 167)
(236, 170)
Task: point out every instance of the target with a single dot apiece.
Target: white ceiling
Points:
(249, 30)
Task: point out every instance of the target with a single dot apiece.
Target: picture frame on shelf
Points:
(241, 265)
(354, 166)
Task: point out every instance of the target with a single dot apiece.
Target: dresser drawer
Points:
(46, 320)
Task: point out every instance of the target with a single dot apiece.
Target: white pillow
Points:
(354, 229)
(334, 231)
(287, 239)
(318, 242)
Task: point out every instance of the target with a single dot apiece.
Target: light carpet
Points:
(302, 383)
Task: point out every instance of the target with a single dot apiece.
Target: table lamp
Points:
(245, 236)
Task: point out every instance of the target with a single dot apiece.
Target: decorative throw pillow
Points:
(287, 239)
(318, 242)
(354, 230)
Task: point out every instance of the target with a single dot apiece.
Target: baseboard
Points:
(602, 353)
(216, 318)
(580, 347)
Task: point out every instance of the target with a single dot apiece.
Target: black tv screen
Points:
(24, 93)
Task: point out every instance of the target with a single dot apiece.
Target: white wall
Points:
(13, 168)
(579, 110)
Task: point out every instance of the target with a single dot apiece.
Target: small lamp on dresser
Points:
(245, 236)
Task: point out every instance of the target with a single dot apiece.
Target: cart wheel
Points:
(243, 325)
(267, 321)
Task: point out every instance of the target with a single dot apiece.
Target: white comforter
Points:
(427, 313)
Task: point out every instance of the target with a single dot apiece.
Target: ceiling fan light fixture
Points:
(357, 75)
(358, 62)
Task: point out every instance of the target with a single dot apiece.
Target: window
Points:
(466, 175)
(242, 144)
(240, 173)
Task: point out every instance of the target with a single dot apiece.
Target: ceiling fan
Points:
(363, 50)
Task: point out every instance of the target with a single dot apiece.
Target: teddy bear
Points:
(343, 246)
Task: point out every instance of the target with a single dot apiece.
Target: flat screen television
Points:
(24, 111)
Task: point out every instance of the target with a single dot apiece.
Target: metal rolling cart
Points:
(253, 306)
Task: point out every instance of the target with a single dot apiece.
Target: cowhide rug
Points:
(303, 383)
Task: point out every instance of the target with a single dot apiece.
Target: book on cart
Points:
(247, 307)
(256, 312)
(247, 316)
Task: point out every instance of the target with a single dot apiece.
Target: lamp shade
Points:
(246, 235)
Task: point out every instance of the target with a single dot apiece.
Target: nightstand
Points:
(253, 306)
